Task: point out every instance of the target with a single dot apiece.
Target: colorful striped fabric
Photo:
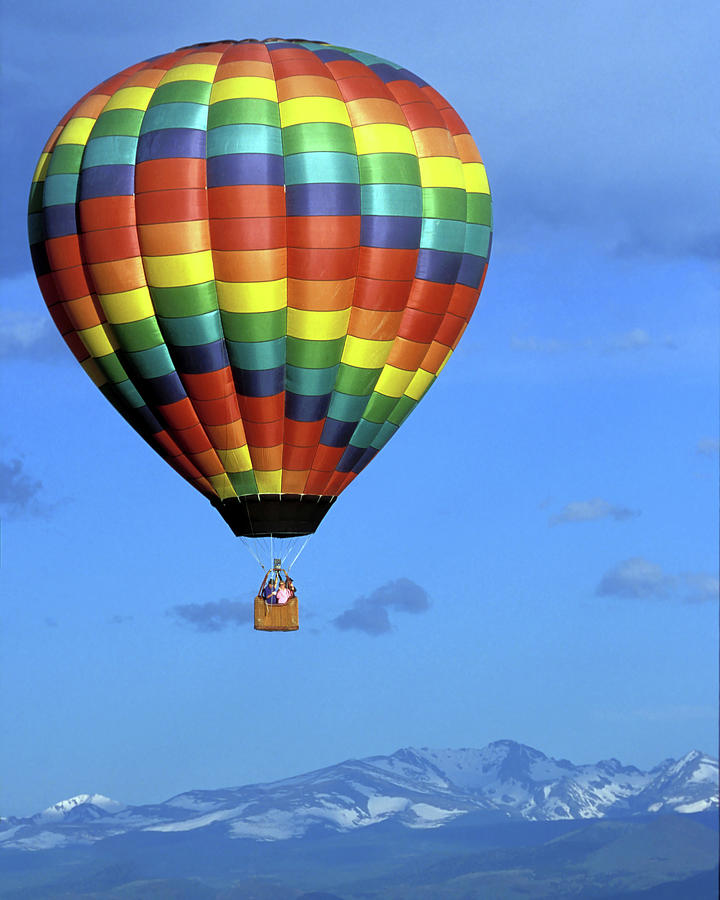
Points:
(263, 253)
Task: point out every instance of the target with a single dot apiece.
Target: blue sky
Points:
(557, 585)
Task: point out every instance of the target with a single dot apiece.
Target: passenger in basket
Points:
(269, 593)
(290, 584)
(283, 594)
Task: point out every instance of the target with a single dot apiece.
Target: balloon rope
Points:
(251, 551)
(300, 551)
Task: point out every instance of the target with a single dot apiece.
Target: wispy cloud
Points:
(637, 578)
(708, 447)
(591, 511)
(26, 335)
(19, 493)
(215, 615)
(370, 614)
(119, 619)
(637, 339)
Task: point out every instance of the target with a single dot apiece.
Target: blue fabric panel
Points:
(245, 168)
(323, 199)
(259, 382)
(107, 181)
(172, 143)
(303, 408)
(336, 434)
(60, 221)
(471, 270)
(196, 360)
(394, 232)
(161, 391)
(438, 265)
(390, 73)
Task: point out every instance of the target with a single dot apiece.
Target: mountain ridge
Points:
(418, 788)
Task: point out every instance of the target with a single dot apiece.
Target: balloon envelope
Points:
(263, 253)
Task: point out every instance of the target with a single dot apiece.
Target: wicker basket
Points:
(276, 616)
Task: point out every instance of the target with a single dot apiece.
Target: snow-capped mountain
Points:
(420, 788)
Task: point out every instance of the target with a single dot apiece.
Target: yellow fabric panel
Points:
(476, 178)
(94, 371)
(127, 306)
(222, 486)
(365, 354)
(41, 167)
(252, 296)
(313, 109)
(269, 482)
(96, 340)
(319, 326)
(393, 382)
(441, 171)
(179, 270)
(243, 86)
(235, 460)
(384, 138)
(130, 98)
(419, 385)
(190, 72)
(76, 131)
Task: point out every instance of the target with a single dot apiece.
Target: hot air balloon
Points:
(263, 253)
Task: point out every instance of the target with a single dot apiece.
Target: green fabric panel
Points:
(322, 136)
(246, 111)
(60, 189)
(360, 382)
(479, 209)
(130, 394)
(188, 300)
(243, 482)
(314, 354)
(112, 368)
(244, 139)
(118, 121)
(175, 115)
(115, 149)
(260, 356)
(389, 168)
(181, 92)
(152, 363)
(391, 200)
(444, 203)
(477, 241)
(66, 159)
(36, 228)
(192, 331)
(245, 327)
(35, 200)
(140, 335)
(443, 234)
(321, 168)
(385, 433)
(311, 382)
(404, 407)
(365, 433)
(379, 408)
(346, 408)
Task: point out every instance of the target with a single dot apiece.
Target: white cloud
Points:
(591, 510)
(639, 578)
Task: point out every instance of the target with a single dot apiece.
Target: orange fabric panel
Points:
(250, 265)
(169, 174)
(239, 201)
(374, 324)
(325, 296)
(323, 231)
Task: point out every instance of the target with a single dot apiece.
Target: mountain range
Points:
(418, 789)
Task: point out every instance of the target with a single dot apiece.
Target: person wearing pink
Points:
(283, 594)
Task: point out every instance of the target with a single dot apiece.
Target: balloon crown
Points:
(266, 40)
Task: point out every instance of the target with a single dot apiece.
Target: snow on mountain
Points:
(416, 788)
